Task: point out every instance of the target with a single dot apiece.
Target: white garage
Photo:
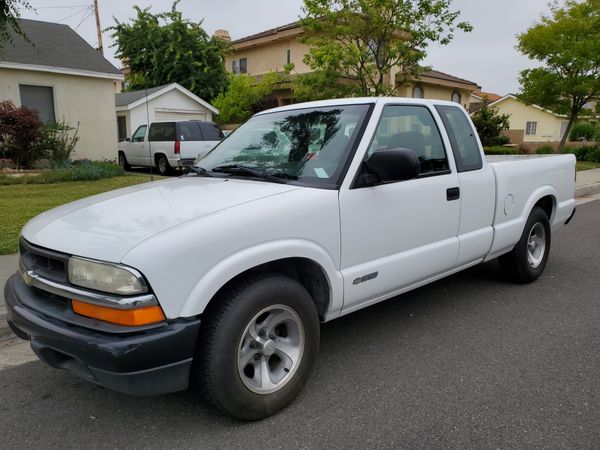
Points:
(171, 102)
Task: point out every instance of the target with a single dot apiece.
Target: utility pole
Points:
(98, 29)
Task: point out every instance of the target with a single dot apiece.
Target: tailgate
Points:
(191, 149)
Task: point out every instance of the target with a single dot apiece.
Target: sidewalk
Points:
(588, 184)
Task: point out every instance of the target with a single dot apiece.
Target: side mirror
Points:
(393, 165)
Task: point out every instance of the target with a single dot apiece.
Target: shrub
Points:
(58, 141)
(79, 172)
(20, 129)
(593, 155)
(583, 131)
(545, 150)
(490, 124)
(500, 150)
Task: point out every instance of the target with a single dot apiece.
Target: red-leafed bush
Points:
(20, 130)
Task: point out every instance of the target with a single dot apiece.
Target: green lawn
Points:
(584, 165)
(19, 203)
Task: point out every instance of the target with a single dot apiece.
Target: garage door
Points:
(168, 116)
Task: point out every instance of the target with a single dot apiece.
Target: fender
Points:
(232, 265)
(508, 232)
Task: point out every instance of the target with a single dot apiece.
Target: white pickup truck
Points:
(169, 145)
(220, 278)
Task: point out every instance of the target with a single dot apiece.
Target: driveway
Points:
(468, 362)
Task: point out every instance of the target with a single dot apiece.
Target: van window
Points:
(211, 132)
(462, 137)
(189, 131)
(162, 132)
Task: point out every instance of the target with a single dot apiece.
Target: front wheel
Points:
(527, 261)
(123, 161)
(257, 346)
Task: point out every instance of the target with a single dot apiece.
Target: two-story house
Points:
(273, 49)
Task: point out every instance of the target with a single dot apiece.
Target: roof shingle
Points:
(54, 45)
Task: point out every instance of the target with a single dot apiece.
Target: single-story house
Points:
(479, 99)
(159, 104)
(531, 123)
(58, 74)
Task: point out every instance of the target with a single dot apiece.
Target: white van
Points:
(168, 145)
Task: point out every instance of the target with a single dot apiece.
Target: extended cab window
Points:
(139, 134)
(211, 132)
(162, 132)
(462, 137)
(412, 127)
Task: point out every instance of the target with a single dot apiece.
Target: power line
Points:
(59, 7)
(90, 14)
(81, 9)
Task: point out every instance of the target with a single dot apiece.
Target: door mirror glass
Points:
(393, 165)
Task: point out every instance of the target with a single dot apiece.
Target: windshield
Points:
(308, 145)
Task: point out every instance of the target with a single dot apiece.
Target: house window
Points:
(288, 57)
(235, 66)
(456, 97)
(531, 128)
(40, 99)
(243, 65)
(239, 65)
(563, 128)
(418, 92)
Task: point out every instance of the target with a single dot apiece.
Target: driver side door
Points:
(397, 235)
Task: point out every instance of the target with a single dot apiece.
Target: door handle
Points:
(453, 194)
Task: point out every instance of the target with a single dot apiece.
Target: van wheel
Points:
(526, 262)
(162, 164)
(257, 345)
(123, 161)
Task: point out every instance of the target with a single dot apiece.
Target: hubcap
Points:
(162, 165)
(270, 349)
(536, 245)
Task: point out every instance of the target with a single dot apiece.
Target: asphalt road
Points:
(468, 362)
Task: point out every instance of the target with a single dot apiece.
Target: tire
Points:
(527, 261)
(162, 165)
(229, 364)
(123, 161)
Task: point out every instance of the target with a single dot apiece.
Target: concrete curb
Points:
(585, 191)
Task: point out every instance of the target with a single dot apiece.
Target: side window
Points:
(211, 132)
(412, 127)
(462, 137)
(139, 134)
(162, 132)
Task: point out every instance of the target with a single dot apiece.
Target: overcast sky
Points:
(486, 56)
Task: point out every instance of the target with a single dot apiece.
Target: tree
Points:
(246, 96)
(166, 48)
(9, 19)
(20, 129)
(567, 42)
(490, 124)
(369, 39)
(320, 85)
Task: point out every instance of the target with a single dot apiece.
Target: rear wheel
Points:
(162, 164)
(527, 261)
(257, 346)
(123, 161)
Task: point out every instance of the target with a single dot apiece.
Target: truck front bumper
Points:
(155, 360)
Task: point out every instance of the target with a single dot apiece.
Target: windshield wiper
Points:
(235, 169)
(201, 171)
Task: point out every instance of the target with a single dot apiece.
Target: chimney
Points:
(223, 34)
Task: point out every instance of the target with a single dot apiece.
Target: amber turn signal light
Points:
(128, 317)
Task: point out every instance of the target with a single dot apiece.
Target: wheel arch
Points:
(309, 264)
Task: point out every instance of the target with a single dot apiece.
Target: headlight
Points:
(105, 277)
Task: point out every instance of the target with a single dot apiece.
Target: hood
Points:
(107, 226)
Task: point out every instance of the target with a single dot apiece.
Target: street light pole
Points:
(98, 29)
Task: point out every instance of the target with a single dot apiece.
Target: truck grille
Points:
(45, 263)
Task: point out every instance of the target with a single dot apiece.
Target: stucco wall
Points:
(89, 101)
(434, 92)
(273, 56)
(173, 104)
(548, 125)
